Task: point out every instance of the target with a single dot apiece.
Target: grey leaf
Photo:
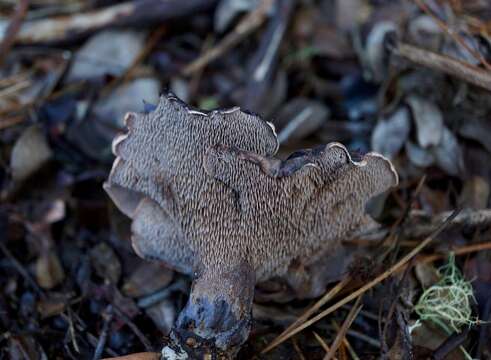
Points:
(390, 134)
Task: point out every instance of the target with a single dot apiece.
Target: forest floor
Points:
(410, 79)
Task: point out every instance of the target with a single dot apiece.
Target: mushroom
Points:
(207, 198)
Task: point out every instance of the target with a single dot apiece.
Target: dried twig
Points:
(143, 339)
(248, 24)
(13, 28)
(346, 343)
(130, 13)
(396, 267)
(322, 342)
(462, 250)
(108, 316)
(298, 350)
(451, 343)
(344, 328)
(20, 268)
(445, 64)
(302, 318)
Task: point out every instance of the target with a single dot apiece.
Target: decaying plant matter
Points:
(207, 198)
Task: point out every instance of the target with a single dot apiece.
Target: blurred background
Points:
(408, 78)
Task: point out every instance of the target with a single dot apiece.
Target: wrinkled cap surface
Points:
(204, 191)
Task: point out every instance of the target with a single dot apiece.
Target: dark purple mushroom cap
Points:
(207, 198)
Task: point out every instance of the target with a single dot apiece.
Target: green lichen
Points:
(448, 302)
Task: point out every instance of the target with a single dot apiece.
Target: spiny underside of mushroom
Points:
(207, 197)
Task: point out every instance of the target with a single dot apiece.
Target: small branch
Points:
(13, 28)
(450, 344)
(459, 69)
(130, 13)
(248, 24)
(395, 268)
(302, 318)
(20, 268)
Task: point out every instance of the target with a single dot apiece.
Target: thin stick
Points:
(298, 350)
(20, 268)
(302, 318)
(248, 24)
(344, 328)
(321, 342)
(463, 250)
(129, 13)
(346, 343)
(368, 286)
(445, 64)
(101, 343)
(362, 337)
(13, 28)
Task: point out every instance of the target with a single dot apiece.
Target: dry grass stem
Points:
(344, 328)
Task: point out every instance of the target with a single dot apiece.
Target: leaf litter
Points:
(72, 285)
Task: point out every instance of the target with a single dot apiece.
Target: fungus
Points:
(207, 198)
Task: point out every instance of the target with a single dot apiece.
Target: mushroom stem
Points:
(217, 318)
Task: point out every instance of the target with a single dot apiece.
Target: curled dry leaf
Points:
(428, 119)
(30, 152)
(419, 156)
(391, 133)
(375, 54)
(448, 154)
(208, 198)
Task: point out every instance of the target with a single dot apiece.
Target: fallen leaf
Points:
(419, 156)
(146, 279)
(105, 262)
(49, 272)
(30, 152)
(109, 52)
(448, 154)
(163, 315)
(475, 194)
(391, 133)
(428, 119)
